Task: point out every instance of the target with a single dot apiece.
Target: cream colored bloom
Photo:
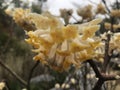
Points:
(61, 46)
(117, 77)
(2, 85)
(67, 86)
(70, 32)
(73, 81)
(115, 42)
(63, 85)
(57, 85)
(89, 31)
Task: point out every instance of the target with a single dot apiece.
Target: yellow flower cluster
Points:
(115, 42)
(19, 15)
(61, 46)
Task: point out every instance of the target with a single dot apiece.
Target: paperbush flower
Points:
(19, 15)
(113, 44)
(60, 46)
(85, 12)
(100, 9)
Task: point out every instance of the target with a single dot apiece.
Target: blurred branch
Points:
(30, 75)
(13, 73)
(117, 4)
(73, 17)
(106, 6)
(102, 77)
(95, 68)
(107, 58)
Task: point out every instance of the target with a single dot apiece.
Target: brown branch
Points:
(106, 56)
(13, 73)
(30, 75)
(98, 85)
(94, 67)
(106, 6)
(102, 77)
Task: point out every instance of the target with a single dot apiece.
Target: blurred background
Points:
(16, 53)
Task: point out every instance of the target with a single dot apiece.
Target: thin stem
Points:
(106, 6)
(13, 73)
(102, 77)
(106, 56)
(117, 4)
(30, 75)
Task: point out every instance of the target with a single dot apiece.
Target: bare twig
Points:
(98, 85)
(102, 77)
(13, 73)
(95, 68)
(30, 75)
(106, 6)
(73, 17)
(106, 56)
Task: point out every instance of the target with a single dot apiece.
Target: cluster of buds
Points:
(67, 85)
(85, 12)
(66, 14)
